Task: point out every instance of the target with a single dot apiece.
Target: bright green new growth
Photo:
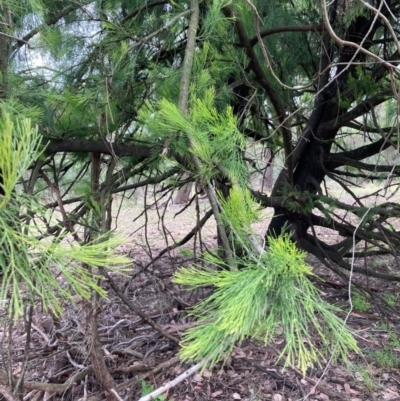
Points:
(31, 267)
(266, 300)
(215, 138)
(17, 152)
(239, 212)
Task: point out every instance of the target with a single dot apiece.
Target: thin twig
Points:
(137, 309)
(342, 42)
(173, 383)
(120, 387)
(183, 241)
(28, 324)
(58, 388)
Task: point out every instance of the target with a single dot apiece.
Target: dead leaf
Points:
(347, 388)
(236, 396)
(208, 390)
(207, 374)
(277, 397)
(240, 354)
(359, 377)
(197, 378)
(389, 393)
(216, 393)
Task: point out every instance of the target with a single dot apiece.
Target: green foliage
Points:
(361, 83)
(353, 10)
(30, 266)
(297, 201)
(386, 358)
(19, 148)
(360, 302)
(239, 211)
(391, 299)
(148, 388)
(214, 136)
(265, 300)
(366, 376)
(185, 252)
(215, 24)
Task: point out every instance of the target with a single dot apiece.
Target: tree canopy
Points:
(314, 82)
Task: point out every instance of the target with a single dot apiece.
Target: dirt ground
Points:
(141, 358)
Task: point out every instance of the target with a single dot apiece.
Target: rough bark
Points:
(311, 155)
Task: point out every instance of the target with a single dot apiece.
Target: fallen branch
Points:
(56, 387)
(173, 383)
(7, 394)
(120, 387)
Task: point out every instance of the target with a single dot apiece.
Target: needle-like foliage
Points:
(33, 269)
(266, 300)
(215, 138)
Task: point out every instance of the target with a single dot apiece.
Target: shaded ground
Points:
(140, 358)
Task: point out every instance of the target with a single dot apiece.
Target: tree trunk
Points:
(308, 175)
(4, 43)
(183, 195)
(267, 179)
(310, 154)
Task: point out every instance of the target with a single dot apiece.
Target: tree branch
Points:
(273, 95)
(359, 110)
(100, 146)
(146, 6)
(287, 28)
(335, 257)
(357, 154)
(338, 161)
(153, 395)
(354, 45)
(183, 107)
(51, 21)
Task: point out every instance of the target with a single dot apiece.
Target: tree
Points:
(133, 90)
(321, 104)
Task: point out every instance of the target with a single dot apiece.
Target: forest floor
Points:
(141, 358)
